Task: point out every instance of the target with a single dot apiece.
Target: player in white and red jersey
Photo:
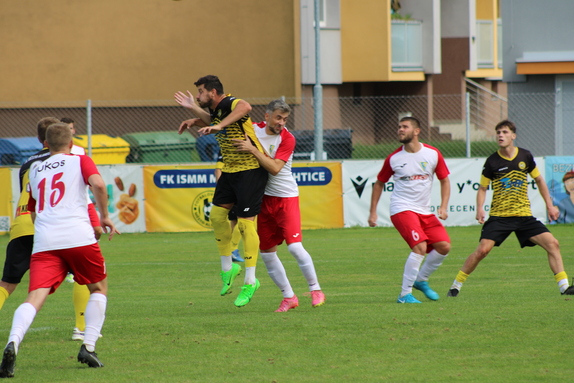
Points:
(63, 240)
(81, 294)
(413, 167)
(280, 218)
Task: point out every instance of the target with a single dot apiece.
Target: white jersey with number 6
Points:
(58, 195)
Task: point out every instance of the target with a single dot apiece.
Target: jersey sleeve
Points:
(533, 169)
(286, 147)
(441, 170)
(386, 171)
(31, 204)
(88, 168)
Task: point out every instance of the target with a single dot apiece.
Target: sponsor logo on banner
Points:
(312, 176)
(201, 208)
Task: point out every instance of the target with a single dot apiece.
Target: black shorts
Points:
(498, 229)
(18, 253)
(243, 189)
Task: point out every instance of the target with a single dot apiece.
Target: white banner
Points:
(126, 196)
(359, 176)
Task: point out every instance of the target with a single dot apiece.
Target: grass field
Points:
(167, 323)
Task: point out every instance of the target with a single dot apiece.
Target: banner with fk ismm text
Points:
(179, 198)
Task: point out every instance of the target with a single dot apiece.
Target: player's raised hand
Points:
(185, 100)
(189, 123)
(208, 130)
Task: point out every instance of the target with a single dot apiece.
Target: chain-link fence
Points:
(354, 127)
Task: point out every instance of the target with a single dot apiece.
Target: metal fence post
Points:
(89, 125)
(467, 125)
(318, 89)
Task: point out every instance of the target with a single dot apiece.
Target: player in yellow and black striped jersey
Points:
(242, 182)
(510, 211)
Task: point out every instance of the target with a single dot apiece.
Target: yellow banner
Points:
(5, 200)
(178, 198)
(320, 194)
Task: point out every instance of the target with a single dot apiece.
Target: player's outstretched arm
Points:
(101, 195)
(187, 101)
(272, 165)
(553, 212)
(187, 124)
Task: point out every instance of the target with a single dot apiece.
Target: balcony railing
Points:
(407, 47)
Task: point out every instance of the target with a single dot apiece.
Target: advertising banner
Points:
(5, 200)
(125, 196)
(560, 180)
(179, 198)
(320, 196)
(359, 176)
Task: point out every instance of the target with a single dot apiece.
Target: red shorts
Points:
(416, 228)
(94, 217)
(49, 268)
(279, 220)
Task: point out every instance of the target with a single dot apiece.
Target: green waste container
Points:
(161, 147)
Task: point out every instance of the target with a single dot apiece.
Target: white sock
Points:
(277, 273)
(412, 266)
(226, 263)
(249, 275)
(23, 318)
(563, 285)
(305, 263)
(433, 260)
(95, 314)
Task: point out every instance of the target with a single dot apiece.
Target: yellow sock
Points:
(221, 229)
(461, 276)
(81, 295)
(4, 294)
(235, 238)
(250, 241)
(562, 280)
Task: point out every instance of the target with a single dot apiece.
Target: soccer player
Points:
(242, 181)
(19, 248)
(413, 167)
(81, 294)
(63, 240)
(280, 218)
(507, 170)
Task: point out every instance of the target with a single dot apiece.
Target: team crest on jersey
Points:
(219, 113)
(271, 148)
(424, 165)
(201, 208)
(522, 165)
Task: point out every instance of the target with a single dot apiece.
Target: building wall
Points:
(65, 50)
(365, 42)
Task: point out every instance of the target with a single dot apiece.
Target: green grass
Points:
(450, 149)
(167, 323)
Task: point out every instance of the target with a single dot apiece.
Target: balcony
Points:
(407, 47)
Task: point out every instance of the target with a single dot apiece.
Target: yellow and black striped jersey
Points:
(509, 177)
(233, 160)
(22, 224)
